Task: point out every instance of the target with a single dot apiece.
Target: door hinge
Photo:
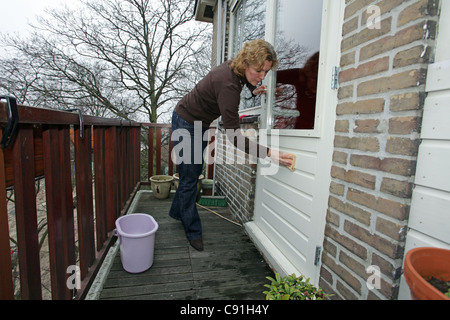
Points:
(335, 78)
(318, 255)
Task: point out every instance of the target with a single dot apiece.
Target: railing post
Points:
(137, 150)
(111, 177)
(119, 169)
(170, 164)
(60, 218)
(100, 185)
(151, 138)
(85, 210)
(26, 214)
(6, 280)
(158, 150)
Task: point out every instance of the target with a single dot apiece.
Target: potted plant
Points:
(292, 288)
(427, 272)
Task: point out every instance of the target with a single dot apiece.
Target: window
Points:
(297, 44)
(249, 24)
(297, 33)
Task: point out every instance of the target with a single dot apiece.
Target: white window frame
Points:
(234, 5)
(269, 99)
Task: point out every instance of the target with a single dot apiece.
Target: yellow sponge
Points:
(292, 167)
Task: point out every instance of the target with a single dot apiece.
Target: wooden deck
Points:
(230, 267)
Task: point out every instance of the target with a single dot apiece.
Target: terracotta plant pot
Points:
(422, 264)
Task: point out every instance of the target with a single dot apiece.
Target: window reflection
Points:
(297, 45)
(249, 25)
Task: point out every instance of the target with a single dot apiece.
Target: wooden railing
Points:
(96, 162)
(91, 171)
(160, 148)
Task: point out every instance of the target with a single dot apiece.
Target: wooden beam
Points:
(60, 217)
(26, 214)
(6, 279)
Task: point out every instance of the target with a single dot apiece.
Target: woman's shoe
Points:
(197, 244)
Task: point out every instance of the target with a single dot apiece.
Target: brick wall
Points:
(381, 95)
(237, 181)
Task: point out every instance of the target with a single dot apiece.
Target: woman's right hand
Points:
(260, 90)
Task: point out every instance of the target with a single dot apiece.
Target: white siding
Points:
(429, 223)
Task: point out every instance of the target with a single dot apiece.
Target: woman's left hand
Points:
(260, 90)
(284, 159)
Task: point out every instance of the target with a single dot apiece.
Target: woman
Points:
(218, 94)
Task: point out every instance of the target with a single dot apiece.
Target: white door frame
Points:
(324, 131)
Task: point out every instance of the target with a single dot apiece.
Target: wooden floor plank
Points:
(230, 267)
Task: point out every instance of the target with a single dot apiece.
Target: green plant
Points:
(292, 288)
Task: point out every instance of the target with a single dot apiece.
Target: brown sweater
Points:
(218, 94)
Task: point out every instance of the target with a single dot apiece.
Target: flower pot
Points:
(421, 264)
(161, 186)
(207, 186)
(176, 180)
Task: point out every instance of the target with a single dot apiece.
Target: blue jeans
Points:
(184, 206)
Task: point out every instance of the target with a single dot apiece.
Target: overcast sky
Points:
(15, 14)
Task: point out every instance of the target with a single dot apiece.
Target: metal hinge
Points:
(335, 78)
(318, 254)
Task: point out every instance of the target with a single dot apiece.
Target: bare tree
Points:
(128, 58)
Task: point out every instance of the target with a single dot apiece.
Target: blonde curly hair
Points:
(256, 53)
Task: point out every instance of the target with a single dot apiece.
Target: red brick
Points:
(364, 70)
(370, 106)
(405, 125)
(394, 209)
(390, 248)
(367, 126)
(403, 80)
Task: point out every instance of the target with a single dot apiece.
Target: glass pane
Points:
(250, 25)
(297, 45)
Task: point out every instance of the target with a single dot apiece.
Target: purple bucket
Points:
(136, 233)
